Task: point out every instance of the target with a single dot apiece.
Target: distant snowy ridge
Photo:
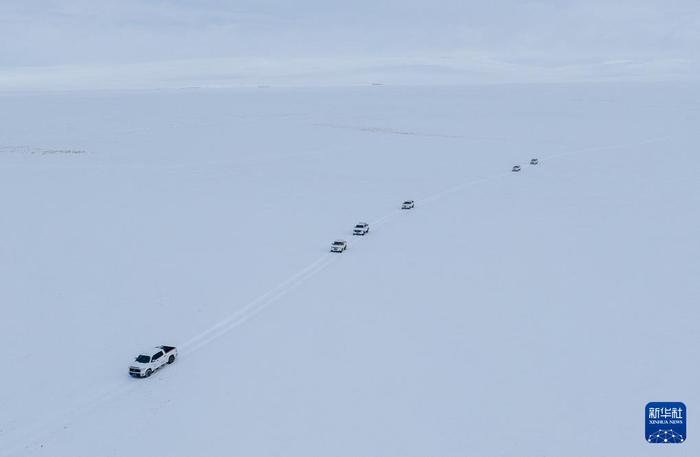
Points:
(263, 73)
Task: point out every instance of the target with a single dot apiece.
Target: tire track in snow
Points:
(19, 442)
(458, 187)
(461, 186)
(436, 196)
(254, 307)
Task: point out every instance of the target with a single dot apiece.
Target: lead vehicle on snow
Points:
(361, 228)
(534, 161)
(408, 204)
(339, 246)
(149, 361)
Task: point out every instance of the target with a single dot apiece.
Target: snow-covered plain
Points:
(530, 314)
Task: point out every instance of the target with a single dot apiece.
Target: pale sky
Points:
(247, 40)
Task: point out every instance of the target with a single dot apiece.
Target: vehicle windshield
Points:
(143, 359)
(407, 203)
(338, 243)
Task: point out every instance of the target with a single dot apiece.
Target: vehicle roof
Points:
(339, 241)
(362, 223)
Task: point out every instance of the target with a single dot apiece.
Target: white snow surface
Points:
(508, 314)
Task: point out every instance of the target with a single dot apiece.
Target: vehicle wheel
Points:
(171, 359)
(149, 372)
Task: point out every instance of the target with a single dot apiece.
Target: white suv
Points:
(408, 204)
(361, 228)
(339, 246)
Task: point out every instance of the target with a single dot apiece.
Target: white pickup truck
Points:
(149, 361)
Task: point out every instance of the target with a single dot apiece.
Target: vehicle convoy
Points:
(408, 204)
(361, 228)
(516, 168)
(534, 161)
(149, 361)
(339, 246)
